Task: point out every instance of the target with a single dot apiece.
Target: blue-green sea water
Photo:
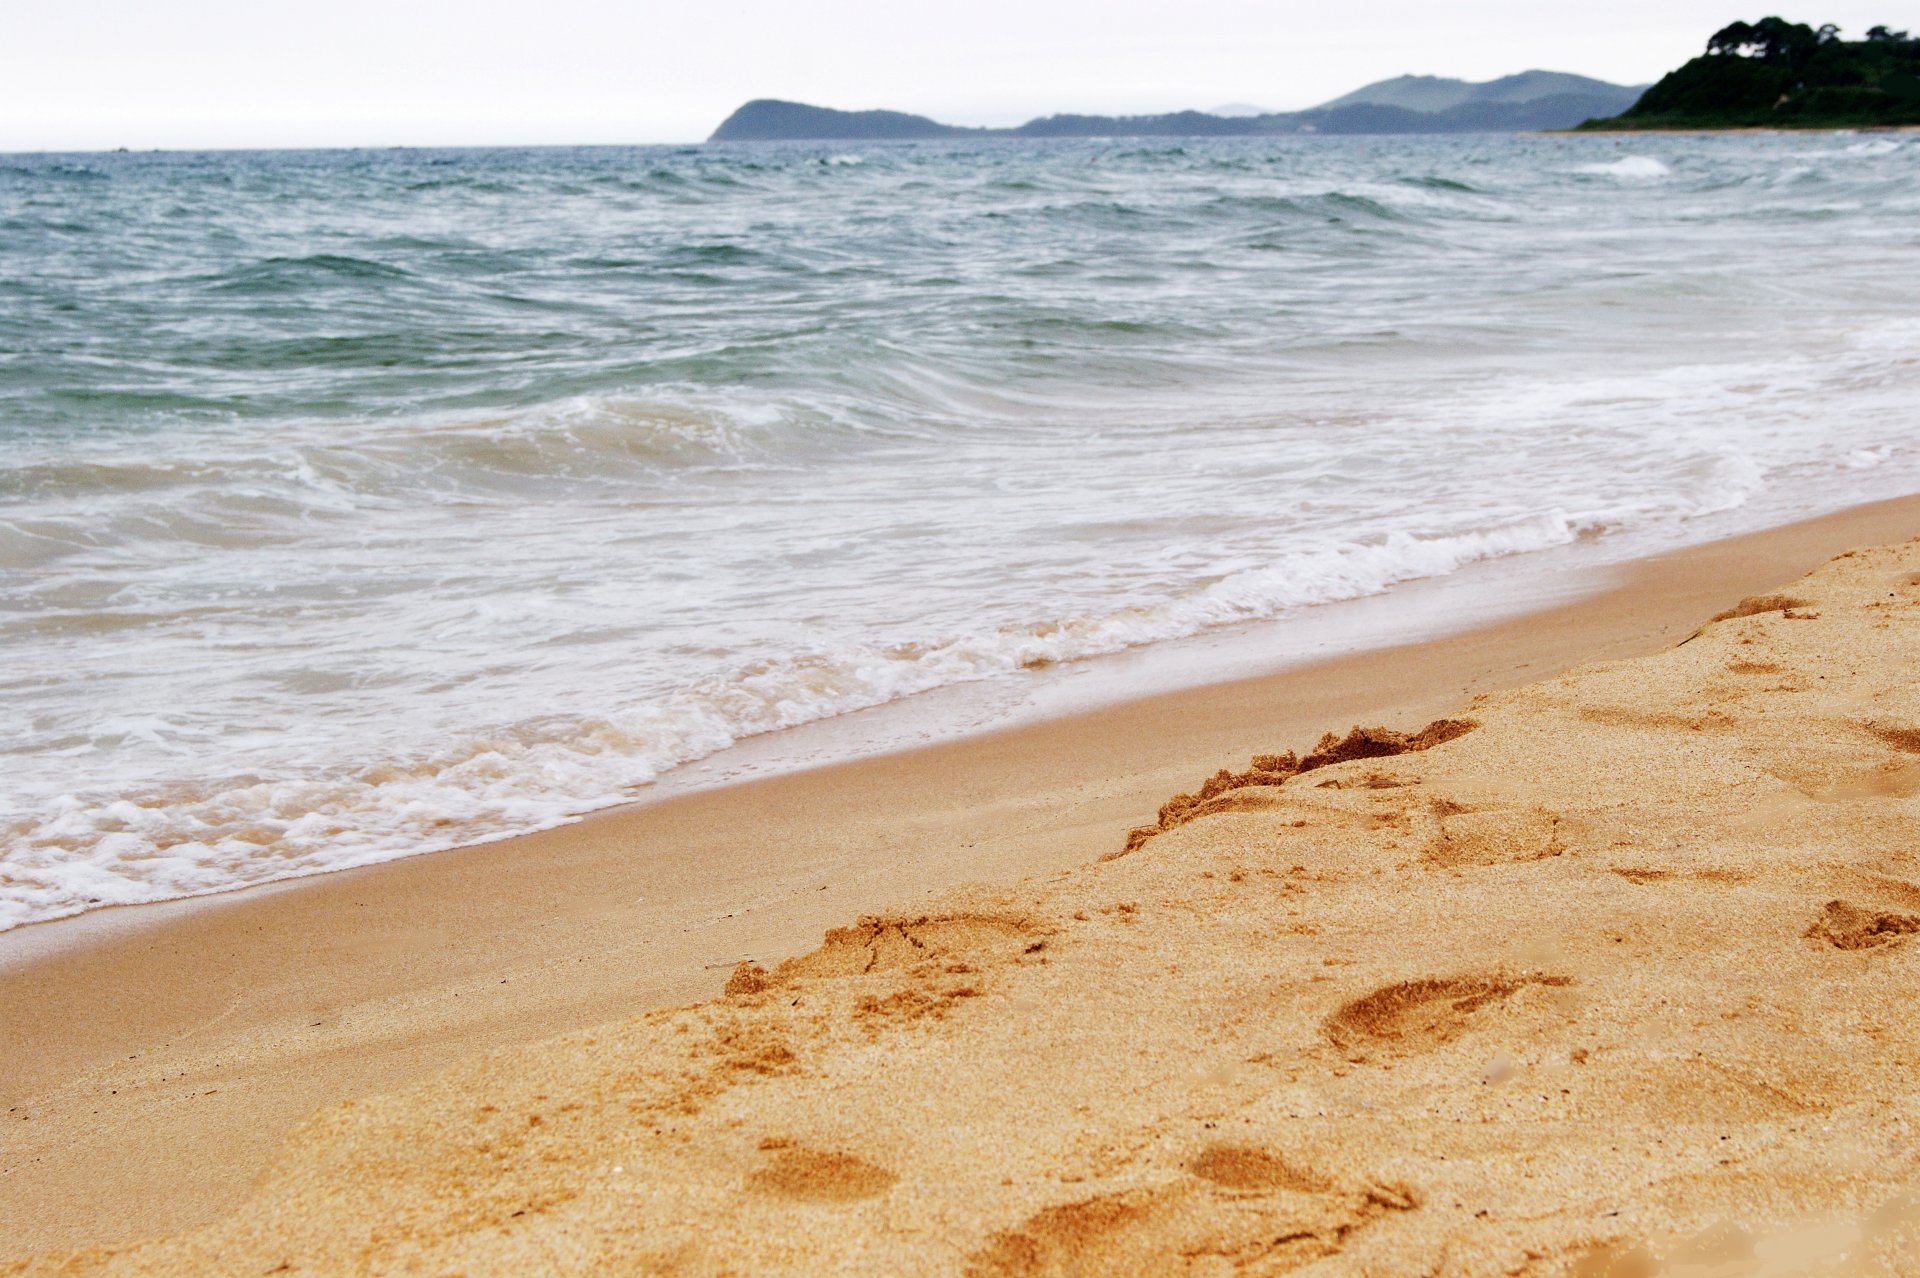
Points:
(358, 503)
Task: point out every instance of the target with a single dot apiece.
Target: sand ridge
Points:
(1617, 981)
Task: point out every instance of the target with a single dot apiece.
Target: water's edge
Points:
(1479, 596)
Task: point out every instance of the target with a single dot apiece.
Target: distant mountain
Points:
(1533, 86)
(1775, 74)
(1237, 109)
(1532, 100)
(1557, 111)
(1408, 92)
(1433, 94)
(771, 120)
(1177, 124)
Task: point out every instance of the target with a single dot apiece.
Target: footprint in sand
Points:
(1494, 836)
(1241, 1208)
(1887, 781)
(898, 944)
(1849, 927)
(1417, 1016)
(1757, 605)
(1647, 874)
(1905, 740)
(820, 1176)
(1248, 1167)
(1891, 778)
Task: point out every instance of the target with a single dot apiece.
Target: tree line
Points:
(1780, 74)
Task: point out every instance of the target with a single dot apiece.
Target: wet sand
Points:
(151, 1074)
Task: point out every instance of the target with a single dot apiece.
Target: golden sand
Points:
(1619, 980)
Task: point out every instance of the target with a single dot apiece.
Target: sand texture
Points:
(1609, 975)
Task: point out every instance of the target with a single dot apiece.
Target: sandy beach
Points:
(1572, 980)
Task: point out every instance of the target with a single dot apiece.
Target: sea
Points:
(359, 503)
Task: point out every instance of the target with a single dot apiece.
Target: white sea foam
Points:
(69, 851)
(77, 851)
(1635, 168)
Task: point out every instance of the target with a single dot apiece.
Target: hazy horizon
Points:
(217, 74)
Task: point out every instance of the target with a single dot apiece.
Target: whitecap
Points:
(1639, 168)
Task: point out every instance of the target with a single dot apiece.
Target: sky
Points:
(98, 74)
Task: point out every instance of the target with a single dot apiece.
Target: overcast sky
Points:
(217, 73)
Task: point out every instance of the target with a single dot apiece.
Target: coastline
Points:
(213, 1031)
(1725, 131)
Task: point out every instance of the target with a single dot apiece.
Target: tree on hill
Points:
(1775, 73)
(1773, 40)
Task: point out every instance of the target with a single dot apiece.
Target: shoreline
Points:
(1403, 613)
(213, 1031)
(1751, 130)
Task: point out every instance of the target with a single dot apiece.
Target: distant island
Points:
(1785, 75)
(1531, 100)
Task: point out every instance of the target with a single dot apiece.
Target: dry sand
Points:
(1620, 973)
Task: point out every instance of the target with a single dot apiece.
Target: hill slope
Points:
(1407, 92)
(769, 119)
(1431, 93)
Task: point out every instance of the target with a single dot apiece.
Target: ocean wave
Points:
(474, 184)
(291, 274)
(1434, 182)
(714, 254)
(117, 489)
(1630, 168)
(64, 170)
